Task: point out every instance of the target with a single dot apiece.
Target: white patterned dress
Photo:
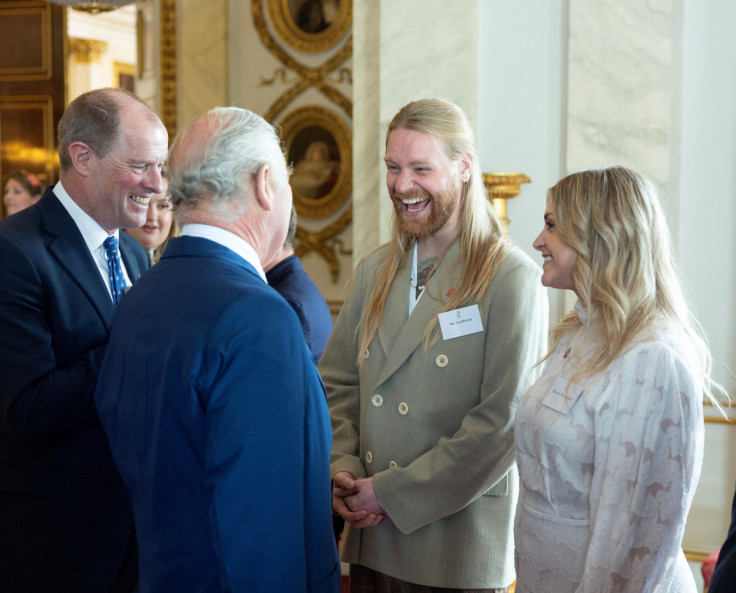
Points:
(607, 479)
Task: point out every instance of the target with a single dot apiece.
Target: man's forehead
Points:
(418, 146)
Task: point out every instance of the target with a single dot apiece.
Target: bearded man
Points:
(436, 342)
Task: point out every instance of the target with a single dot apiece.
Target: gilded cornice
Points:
(87, 51)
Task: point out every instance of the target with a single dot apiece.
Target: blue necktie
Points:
(117, 280)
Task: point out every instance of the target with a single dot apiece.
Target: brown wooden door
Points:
(32, 87)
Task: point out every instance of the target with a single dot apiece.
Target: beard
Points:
(442, 205)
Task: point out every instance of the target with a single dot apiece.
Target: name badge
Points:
(460, 322)
(560, 397)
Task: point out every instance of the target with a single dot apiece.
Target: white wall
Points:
(704, 164)
(577, 83)
(706, 170)
(522, 107)
(117, 29)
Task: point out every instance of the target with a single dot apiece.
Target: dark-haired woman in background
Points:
(20, 190)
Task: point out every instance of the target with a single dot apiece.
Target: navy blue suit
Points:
(292, 282)
(217, 419)
(65, 517)
(724, 576)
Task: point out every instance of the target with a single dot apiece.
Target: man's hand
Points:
(355, 501)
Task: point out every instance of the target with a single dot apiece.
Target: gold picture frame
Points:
(123, 76)
(319, 147)
(311, 26)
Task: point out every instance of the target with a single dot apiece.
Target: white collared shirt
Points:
(226, 239)
(92, 233)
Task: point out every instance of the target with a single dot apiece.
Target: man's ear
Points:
(81, 155)
(466, 167)
(263, 188)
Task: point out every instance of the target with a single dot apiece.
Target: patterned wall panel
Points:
(312, 43)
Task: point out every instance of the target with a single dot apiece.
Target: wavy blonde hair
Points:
(483, 238)
(625, 267)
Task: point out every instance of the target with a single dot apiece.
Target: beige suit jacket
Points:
(434, 427)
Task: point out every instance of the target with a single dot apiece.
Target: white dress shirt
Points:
(92, 233)
(226, 239)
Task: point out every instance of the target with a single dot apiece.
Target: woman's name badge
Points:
(560, 397)
(460, 322)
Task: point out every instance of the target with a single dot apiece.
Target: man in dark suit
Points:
(286, 274)
(215, 412)
(724, 576)
(65, 517)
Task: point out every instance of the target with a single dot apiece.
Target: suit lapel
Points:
(401, 338)
(395, 310)
(67, 245)
(132, 267)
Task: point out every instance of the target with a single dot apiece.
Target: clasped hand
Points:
(354, 500)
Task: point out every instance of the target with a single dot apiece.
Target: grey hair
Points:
(222, 169)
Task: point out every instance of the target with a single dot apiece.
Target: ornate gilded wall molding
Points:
(168, 66)
(87, 51)
(320, 145)
(309, 28)
(501, 187)
(326, 242)
(307, 76)
(286, 22)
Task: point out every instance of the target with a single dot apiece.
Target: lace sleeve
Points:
(648, 454)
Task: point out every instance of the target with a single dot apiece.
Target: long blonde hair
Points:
(483, 239)
(625, 267)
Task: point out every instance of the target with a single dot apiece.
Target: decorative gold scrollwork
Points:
(308, 77)
(319, 145)
(313, 26)
(322, 128)
(325, 243)
(168, 67)
(502, 187)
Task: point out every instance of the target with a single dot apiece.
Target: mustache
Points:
(411, 195)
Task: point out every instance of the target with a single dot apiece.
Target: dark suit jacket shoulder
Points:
(66, 519)
(724, 576)
(294, 284)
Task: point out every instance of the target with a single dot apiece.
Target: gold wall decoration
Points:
(123, 76)
(330, 137)
(308, 77)
(27, 132)
(501, 187)
(168, 66)
(87, 51)
(92, 6)
(325, 243)
(311, 25)
(319, 146)
(26, 25)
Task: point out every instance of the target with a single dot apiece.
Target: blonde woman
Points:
(609, 440)
(154, 235)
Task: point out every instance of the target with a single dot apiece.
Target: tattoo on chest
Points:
(426, 267)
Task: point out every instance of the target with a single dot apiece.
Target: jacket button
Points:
(441, 361)
(393, 464)
(377, 400)
(367, 353)
(403, 409)
(368, 457)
